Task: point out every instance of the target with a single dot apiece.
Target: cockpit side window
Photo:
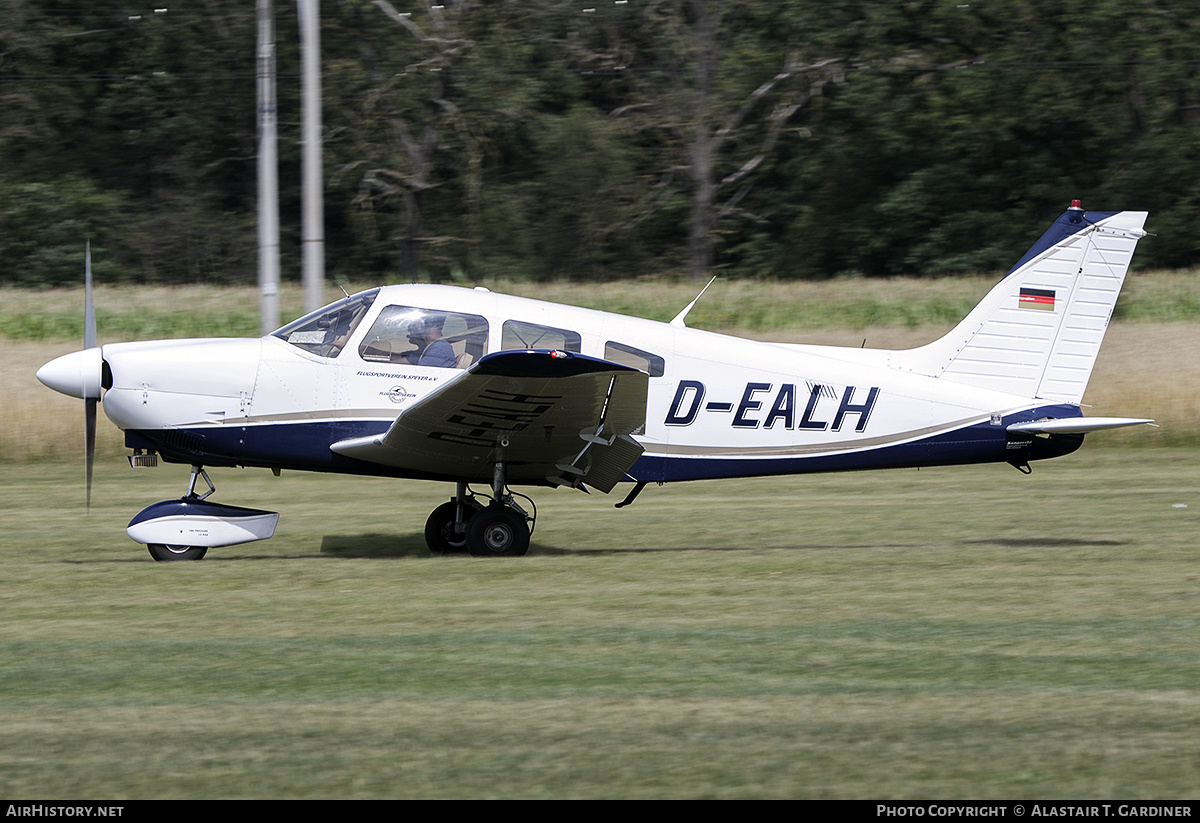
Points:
(516, 334)
(651, 364)
(325, 331)
(422, 337)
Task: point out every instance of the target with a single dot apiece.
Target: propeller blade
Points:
(89, 444)
(89, 403)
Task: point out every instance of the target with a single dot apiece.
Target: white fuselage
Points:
(717, 406)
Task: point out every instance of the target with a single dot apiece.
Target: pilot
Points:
(432, 349)
(347, 322)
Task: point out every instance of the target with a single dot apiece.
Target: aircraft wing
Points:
(550, 416)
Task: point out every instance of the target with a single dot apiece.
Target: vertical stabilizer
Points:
(1038, 331)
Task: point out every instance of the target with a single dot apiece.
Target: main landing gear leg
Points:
(500, 529)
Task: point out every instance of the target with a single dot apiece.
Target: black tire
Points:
(497, 531)
(440, 536)
(164, 552)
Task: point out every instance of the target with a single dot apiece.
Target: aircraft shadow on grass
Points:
(374, 545)
(1043, 542)
(413, 545)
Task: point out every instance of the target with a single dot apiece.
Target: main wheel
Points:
(167, 551)
(497, 531)
(440, 535)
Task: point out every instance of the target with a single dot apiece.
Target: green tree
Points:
(45, 226)
(715, 84)
(155, 109)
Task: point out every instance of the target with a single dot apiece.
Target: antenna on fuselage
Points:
(678, 321)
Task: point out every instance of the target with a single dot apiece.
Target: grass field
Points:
(949, 633)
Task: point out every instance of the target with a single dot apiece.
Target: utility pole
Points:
(268, 173)
(313, 240)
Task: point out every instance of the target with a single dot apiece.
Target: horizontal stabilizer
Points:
(1077, 425)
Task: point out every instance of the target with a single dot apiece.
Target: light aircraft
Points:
(466, 386)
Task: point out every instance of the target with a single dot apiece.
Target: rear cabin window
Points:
(518, 335)
(421, 337)
(651, 364)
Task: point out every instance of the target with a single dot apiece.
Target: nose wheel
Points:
(164, 552)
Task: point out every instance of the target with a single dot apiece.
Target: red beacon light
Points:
(1075, 206)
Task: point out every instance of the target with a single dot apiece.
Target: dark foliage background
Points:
(545, 139)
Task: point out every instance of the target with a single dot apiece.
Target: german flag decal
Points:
(1040, 299)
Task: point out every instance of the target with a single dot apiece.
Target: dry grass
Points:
(1150, 370)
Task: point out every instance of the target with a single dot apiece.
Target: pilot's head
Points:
(426, 329)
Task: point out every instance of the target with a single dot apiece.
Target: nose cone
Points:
(77, 374)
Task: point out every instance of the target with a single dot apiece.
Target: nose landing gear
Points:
(185, 529)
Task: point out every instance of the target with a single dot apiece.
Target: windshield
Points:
(325, 331)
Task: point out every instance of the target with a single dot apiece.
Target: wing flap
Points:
(551, 417)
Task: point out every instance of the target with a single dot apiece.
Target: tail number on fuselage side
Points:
(752, 412)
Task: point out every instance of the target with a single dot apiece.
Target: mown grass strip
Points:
(959, 632)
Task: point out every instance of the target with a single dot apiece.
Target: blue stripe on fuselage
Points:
(304, 446)
(985, 442)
